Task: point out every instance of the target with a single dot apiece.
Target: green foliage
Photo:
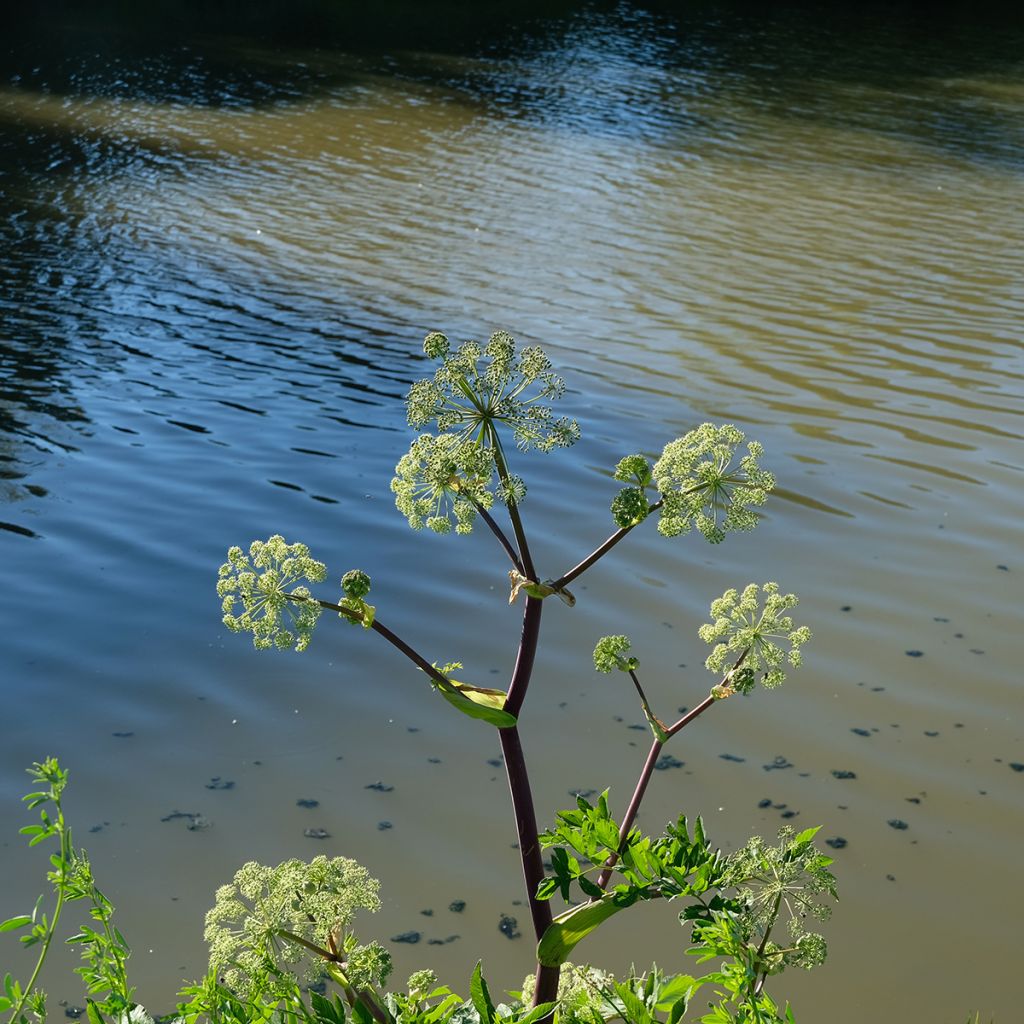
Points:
(104, 951)
(756, 635)
(355, 585)
(584, 840)
(766, 883)
(274, 610)
(479, 702)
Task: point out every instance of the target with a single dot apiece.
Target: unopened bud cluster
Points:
(610, 652)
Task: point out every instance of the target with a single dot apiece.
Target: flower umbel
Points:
(440, 478)
(700, 485)
(790, 878)
(475, 390)
(755, 636)
(274, 610)
(254, 924)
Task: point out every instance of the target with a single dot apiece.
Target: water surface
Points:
(219, 257)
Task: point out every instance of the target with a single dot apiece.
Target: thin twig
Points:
(582, 567)
(759, 985)
(631, 811)
(378, 627)
(648, 768)
(500, 534)
(526, 567)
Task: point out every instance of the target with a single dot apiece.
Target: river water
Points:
(218, 259)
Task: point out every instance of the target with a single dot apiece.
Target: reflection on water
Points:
(218, 259)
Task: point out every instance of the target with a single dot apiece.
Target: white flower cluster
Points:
(442, 477)
(476, 391)
(476, 388)
(276, 612)
(739, 627)
(700, 485)
(253, 925)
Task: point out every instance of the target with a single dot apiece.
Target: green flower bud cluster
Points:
(739, 627)
(356, 585)
(475, 389)
(610, 653)
(440, 478)
(252, 926)
(630, 506)
(276, 612)
(422, 982)
(701, 486)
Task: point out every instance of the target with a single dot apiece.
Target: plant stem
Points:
(396, 641)
(500, 534)
(523, 670)
(645, 777)
(582, 567)
(527, 831)
(691, 715)
(513, 510)
(311, 946)
(353, 995)
(764, 944)
(65, 853)
(529, 853)
(634, 806)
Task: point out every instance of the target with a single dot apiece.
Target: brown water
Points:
(218, 261)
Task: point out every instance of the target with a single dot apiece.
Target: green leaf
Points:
(361, 1014)
(806, 836)
(547, 888)
(677, 1009)
(481, 996)
(539, 1012)
(679, 985)
(5, 1003)
(477, 702)
(15, 922)
(94, 1015)
(332, 1013)
(592, 889)
(699, 839)
(443, 1010)
(562, 935)
(11, 987)
(636, 1012)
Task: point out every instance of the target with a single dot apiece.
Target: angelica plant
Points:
(483, 407)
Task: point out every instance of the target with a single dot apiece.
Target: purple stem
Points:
(522, 796)
(500, 534)
(641, 786)
(396, 641)
(582, 567)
